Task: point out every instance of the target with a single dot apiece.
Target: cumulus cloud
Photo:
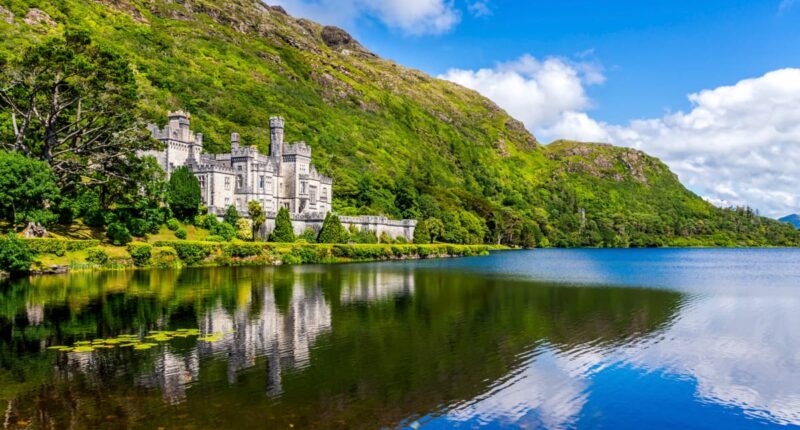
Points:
(537, 92)
(413, 17)
(737, 145)
(479, 8)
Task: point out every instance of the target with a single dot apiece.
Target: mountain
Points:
(793, 219)
(395, 140)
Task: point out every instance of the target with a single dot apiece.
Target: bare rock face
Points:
(278, 9)
(6, 15)
(34, 229)
(335, 37)
(38, 17)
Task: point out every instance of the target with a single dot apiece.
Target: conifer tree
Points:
(332, 230)
(283, 231)
(231, 215)
(184, 193)
(421, 233)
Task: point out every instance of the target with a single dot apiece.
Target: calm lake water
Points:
(530, 339)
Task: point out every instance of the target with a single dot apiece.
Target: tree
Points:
(27, 188)
(435, 228)
(73, 105)
(283, 232)
(332, 230)
(184, 193)
(258, 218)
(231, 215)
(15, 255)
(421, 234)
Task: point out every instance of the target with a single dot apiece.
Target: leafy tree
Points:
(27, 186)
(184, 193)
(435, 228)
(15, 255)
(258, 218)
(231, 215)
(73, 105)
(332, 230)
(421, 234)
(283, 232)
(243, 229)
(118, 234)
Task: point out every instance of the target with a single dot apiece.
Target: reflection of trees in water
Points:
(397, 342)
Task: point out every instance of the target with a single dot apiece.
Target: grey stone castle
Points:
(286, 178)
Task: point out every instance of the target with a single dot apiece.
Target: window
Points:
(261, 182)
(238, 181)
(302, 187)
(202, 182)
(227, 186)
(227, 201)
(303, 168)
(324, 196)
(313, 195)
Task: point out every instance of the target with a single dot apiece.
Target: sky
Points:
(712, 87)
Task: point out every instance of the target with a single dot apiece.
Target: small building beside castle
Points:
(286, 178)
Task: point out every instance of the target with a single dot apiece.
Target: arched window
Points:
(238, 181)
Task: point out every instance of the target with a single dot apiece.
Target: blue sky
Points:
(709, 86)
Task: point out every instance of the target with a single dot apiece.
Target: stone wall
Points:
(378, 224)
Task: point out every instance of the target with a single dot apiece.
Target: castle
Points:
(286, 178)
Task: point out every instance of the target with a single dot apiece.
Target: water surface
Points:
(528, 339)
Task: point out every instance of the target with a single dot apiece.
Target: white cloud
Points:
(537, 92)
(738, 145)
(413, 17)
(479, 8)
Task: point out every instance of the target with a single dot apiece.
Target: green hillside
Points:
(395, 140)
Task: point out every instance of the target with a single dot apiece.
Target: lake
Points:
(662, 338)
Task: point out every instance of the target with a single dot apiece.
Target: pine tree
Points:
(283, 232)
(184, 193)
(332, 230)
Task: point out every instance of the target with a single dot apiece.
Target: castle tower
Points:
(276, 137)
(179, 124)
(234, 141)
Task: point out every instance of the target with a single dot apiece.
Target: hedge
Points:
(58, 246)
(140, 253)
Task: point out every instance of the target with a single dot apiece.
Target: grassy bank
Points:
(94, 255)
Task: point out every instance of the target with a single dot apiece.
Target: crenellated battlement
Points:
(298, 148)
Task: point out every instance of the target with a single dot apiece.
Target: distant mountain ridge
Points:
(793, 219)
(395, 140)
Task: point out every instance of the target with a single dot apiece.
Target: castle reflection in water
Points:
(255, 329)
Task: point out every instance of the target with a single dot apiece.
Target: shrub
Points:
(421, 233)
(192, 252)
(283, 232)
(173, 224)
(332, 230)
(58, 246)
(138, 227)
(242, 250)
(385, 238)
(309, 235)
(401, 240)
(165, 257)
(243, 230)
(118, 234)
(224, 230)
(97, 256)
(15, 255)
(214, 238)
(181, 233)
(258, 217)
(140, 253)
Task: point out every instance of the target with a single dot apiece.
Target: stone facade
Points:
(285, 178)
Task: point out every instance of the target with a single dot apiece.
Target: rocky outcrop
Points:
(38, 17)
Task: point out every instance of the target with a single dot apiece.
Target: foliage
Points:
(173, 224)
(385, 238)
(165, 257)
(309, 235)
(73, 104)
(97, 256)
(15, 254)
(231, 215)
(421, 233)
(181, 233)
(27, 186)
(258, 218)
(243, 229)
(332, 230)
(435, 228)
(118, 234)
(224, 230)
(140, 253)
(364, 235)
(58, 246)
(283, 232)
(184, 193)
